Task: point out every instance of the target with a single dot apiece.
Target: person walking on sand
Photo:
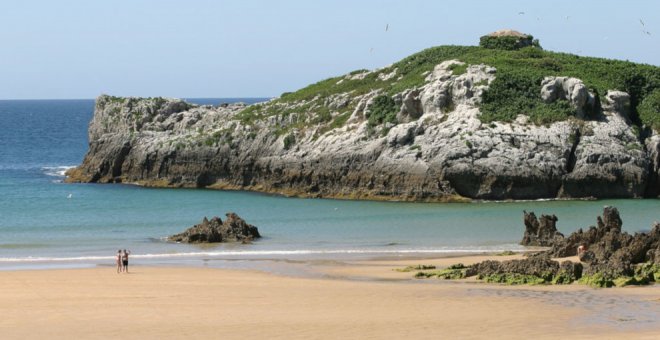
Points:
(120, 264)
(124, 260)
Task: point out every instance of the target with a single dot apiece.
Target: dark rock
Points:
(603, 240)
(568, 272)
(608, 247)
(539, 266)
(610, 256)
(653, 254)
(487, 267)
(542, 267)
(233, 229)
(610, 253)
(540, 232)
(611, 220)
(610, 269)
(587, 256)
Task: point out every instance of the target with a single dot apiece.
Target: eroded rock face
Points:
(566, 88)
(540, 232)
(617, 101)
(445, 89)
(607, 161)
(233, 229)
(440, 150)
(653, 154)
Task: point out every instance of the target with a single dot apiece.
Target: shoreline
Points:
(184, 302)
(216, 260)
(72, 177)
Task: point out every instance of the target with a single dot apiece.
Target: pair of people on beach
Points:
(122, 260)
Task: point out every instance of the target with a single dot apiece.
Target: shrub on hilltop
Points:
(649, 110)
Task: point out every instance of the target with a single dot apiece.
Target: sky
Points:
(258, 48)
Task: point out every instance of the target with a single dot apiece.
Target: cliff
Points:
(447, 123)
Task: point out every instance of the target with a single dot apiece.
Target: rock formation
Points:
(429, 144)
(571, 89)
(610, 255)
(540, 232)
(233, 229)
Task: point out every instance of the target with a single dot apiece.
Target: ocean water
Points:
(47, 223)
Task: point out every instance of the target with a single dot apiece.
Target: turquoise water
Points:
(44, 222)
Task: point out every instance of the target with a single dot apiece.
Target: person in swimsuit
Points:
(120, 266)
(124, 259)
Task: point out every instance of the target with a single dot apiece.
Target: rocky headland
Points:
(499, 121)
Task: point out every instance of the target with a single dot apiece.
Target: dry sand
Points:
(205, 303)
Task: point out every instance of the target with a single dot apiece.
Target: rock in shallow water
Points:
(233, 229)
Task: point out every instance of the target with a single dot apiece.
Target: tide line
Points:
(250, 253)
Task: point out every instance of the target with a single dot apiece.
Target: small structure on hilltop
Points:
(508, 40)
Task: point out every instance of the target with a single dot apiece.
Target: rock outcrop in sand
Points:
(610, 257)
(233, 229)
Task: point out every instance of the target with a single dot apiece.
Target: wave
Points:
(250, 253)
(57, 171)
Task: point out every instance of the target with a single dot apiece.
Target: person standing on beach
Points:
(124, 259)
(120, 267)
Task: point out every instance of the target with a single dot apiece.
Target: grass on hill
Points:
(516, 89)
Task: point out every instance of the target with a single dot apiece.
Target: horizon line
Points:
(94, 98)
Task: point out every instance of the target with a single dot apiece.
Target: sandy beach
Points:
(362, 300)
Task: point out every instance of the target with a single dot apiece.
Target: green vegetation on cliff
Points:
(649, 109)
(383, 110)
(516, 89)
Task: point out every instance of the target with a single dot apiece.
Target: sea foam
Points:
(262, 253)
(56, 171)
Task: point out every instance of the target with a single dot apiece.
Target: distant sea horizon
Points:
(203, 99)
(46, 223)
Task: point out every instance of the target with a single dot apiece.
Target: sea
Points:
(45, 223)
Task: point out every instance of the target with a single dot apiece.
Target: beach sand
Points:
(371, 301)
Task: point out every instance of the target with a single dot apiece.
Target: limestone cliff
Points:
(434, 146)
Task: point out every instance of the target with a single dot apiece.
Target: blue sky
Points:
(252, 48)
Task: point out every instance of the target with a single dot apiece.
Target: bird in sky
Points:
(521, 13)
(387, 27)
(568, 17)
(644, 27)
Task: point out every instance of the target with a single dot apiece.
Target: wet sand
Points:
(177, 303)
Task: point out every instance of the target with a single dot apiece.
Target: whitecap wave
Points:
(57, 171)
